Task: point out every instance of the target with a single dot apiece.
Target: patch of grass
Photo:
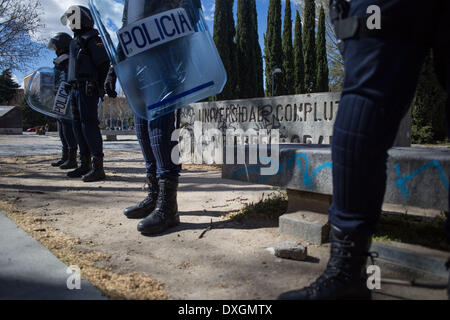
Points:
(269, 207)
(425, 231)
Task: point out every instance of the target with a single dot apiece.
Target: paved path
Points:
(30, 144)
(29, 271)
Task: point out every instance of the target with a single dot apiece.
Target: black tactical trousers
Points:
(380, 80)
(85, 124)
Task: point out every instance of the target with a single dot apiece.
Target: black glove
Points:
(110, 83)
(68, 88)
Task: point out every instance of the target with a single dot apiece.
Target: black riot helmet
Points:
(60, 42)
(78, 18)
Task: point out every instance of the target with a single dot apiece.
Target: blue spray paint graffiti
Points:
(304, 170)
(400, 183)
(308, 178)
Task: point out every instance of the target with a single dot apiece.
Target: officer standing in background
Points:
(382, 66)
(88, 67)
(159, 209)
(60, 44)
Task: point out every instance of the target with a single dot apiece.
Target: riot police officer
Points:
(60, 44)
(159, 209)
(88, 67)
(382, 67)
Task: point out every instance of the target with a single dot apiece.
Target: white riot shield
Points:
(162, 52)
(40, 95)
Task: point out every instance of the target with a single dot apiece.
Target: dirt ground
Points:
(83, 224)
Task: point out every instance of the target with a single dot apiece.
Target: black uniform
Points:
(60, 44)
(88, 67)
(86, 74)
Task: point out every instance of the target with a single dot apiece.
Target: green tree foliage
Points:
(8, 87)
(273, 52)
(299, 63)
(248, 51)
(428, 113)
(224, 33)
(259, 86)
(321, 55)
(288, 52)
(309, 46)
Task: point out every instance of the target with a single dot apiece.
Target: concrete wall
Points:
(306, 119)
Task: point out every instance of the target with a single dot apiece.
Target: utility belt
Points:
(393, 28)
(91, 87)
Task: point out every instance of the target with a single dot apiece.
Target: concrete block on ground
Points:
(291, 250)
(307, 211)
(306, 225)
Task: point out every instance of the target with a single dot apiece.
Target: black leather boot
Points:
(64, 155)
(97, 173)
(84, 167)
(165, 214)
(345, 276)
(145, 207)
(71, 162)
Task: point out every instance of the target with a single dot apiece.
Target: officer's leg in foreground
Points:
(380, 81)
(160, 208)
(145, 207)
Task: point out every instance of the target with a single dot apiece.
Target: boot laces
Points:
(339, 267)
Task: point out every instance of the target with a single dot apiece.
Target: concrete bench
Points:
(111, 135)
(417, 177)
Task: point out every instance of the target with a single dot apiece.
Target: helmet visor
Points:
(52, 45)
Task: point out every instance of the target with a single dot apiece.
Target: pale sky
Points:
(53, 10)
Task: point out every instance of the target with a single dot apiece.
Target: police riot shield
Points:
(162, 52)
(41, 95)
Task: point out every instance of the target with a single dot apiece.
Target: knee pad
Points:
(363, 132)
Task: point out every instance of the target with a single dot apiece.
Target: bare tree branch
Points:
(19, 22)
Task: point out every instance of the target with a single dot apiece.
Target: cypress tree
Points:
(299, 63)
(244, 56)
(309, 50)
(273, 48)
(288, 52)
(321, 52)
(257, 56)
(224, 33)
